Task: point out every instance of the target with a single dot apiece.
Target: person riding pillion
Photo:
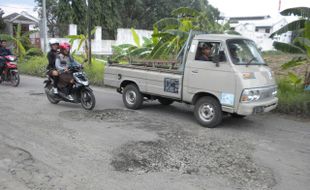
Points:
(51, 68)
(63, 63)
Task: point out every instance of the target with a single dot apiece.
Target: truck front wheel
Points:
(132, 97)
(208, 112)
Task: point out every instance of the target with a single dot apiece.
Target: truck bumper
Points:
(257, 107)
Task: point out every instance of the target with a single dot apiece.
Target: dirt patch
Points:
(108, 115)
(191, 154)
(21, 165)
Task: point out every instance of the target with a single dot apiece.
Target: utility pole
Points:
(89, 31)
(44, 22)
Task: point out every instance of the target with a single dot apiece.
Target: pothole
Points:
(182, 152)
(36, 93)
(109, 115)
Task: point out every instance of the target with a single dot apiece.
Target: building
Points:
(259, 29)
(27, 23)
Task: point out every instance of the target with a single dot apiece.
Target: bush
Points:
(34, 52)
(36, 66)
(291, 100)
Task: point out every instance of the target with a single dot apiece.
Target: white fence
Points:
(104, 47)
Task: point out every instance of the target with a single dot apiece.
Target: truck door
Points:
(203, 75)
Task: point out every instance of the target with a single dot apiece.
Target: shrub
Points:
(34, 52)
(293, 100)
(35, 66)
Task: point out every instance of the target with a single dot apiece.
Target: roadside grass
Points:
(293, 100)
(36, 66)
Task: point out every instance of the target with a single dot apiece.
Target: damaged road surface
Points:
(45, 146)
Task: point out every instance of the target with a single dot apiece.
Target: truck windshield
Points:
(244, 52)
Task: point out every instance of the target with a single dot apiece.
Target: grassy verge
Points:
(293, 100)
(36, 66)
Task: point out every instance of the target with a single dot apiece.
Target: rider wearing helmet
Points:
(51, 56)
(63, 62)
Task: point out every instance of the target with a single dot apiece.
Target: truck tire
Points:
(165, 101)
(235, 115)
(208, 112)
(132, 97)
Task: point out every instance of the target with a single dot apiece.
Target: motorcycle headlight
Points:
(250, 95)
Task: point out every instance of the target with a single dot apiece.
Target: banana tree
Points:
(137, 50)
(174, 31)
(19, 39)
(83, 39)
(301, 43)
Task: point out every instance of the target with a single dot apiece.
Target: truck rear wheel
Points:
(132, 97)
(165, 101)
(208, 112)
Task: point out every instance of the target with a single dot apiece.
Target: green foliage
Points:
(301, 43)
(136, 38)
(293, 99)
(294, 79)
(83, 39)
(35, 66)
(293, 63)
(34, 52)
(20, 40)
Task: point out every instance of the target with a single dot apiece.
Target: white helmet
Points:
(53, 41)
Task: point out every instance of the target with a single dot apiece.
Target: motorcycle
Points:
(81, 92)
(10, 72)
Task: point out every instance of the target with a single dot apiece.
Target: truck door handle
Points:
(195, 71)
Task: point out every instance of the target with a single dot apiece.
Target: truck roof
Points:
(221, 37)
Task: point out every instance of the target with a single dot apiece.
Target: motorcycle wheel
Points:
(15, 79)
(88, 100)
(49, 97)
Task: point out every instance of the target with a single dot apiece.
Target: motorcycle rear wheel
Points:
(49, 97)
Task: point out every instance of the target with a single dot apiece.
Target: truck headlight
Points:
(250, 95)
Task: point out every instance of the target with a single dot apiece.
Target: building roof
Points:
(21, 18)
(246, 18)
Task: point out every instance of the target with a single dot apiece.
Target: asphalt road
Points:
(45, 146)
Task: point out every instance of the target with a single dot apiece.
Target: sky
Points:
(228, 8)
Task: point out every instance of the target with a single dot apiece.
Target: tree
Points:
(301, 41)
(51, 8)
(2, 24)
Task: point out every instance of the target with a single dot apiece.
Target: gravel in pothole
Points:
(183, 152)
(109, 115)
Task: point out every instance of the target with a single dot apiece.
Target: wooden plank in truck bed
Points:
(147, 67)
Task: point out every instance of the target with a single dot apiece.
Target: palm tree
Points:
(301, 43)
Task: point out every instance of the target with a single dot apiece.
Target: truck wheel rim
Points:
(206, 112)
(131, 97)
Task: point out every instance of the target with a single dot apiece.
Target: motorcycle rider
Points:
(51, 68)
(3, 52)
(63, 63)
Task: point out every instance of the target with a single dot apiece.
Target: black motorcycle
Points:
(80, 91)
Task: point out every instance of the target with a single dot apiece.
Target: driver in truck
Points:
(205, 52)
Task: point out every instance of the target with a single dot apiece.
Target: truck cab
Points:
(217, 73)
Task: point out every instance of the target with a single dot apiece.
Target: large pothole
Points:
(108, 115)
(183, 152)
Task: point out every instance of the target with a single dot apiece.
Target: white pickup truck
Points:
(233, 79)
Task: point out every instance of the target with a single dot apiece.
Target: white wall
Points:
(104, 47)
